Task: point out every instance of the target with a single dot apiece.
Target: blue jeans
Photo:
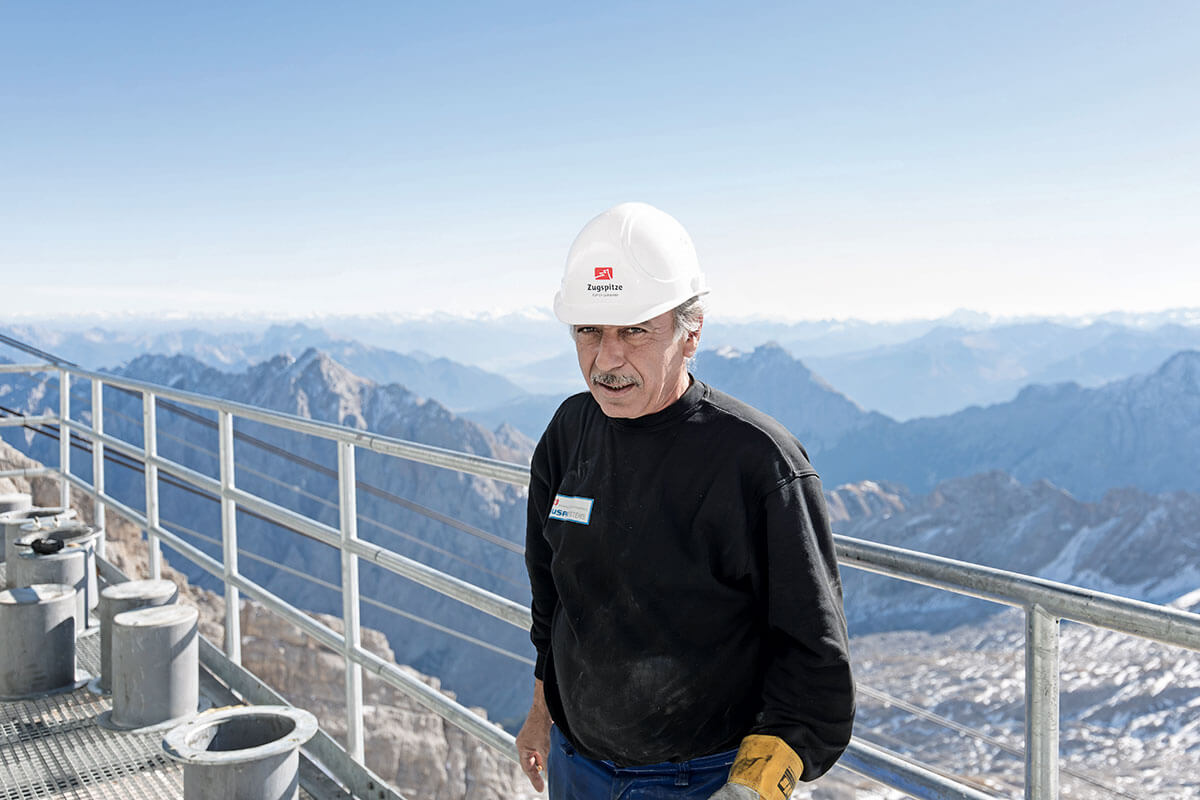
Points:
(571, 776)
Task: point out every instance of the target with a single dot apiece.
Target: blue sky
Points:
(874, 160)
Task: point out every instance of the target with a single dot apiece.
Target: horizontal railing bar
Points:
(107, 439)
(28, 368)
(500, 607)
(890, 769)
(448, 459)
(285, 516)
(413, 451)
(40, 419)
(1145, 620)
(34, 472)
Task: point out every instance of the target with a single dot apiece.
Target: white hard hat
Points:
(631, 263)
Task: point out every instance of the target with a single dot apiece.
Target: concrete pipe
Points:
(75, 533)
(155, 666)
(242, 753)
(122, 597)
(15, 501)
(11, 522)
(67, 566)
(37, 628)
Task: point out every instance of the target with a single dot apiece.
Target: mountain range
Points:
(1062, 507)
(497, 365)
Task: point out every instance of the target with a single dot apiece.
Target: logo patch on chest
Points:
(572, 509)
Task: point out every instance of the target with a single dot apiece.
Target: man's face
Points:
(635, 370)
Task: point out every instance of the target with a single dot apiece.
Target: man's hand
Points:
(533, 742)
(766, 768)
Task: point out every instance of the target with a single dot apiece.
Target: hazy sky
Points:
(875, 160)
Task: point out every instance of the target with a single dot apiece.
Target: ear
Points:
(691, 342)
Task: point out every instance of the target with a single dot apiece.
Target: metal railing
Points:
(1044, 602)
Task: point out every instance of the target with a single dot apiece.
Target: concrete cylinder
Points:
(242, 753)
(15, 501)
(67, 566)
(75, 533)
(122, 597)
(155, 665)
(11, 522)
(37, 632)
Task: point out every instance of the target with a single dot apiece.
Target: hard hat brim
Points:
(601, 313)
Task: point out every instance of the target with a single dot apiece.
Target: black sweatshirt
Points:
(685, 587)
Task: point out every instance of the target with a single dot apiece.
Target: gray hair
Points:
(688, 315)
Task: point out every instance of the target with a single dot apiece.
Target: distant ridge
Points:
(1143, 432)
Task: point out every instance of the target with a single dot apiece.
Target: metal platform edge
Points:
(327, 772)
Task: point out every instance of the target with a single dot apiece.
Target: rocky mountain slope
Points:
(409, 746)
(771, 380)
(1130, 708)
(1130, 543)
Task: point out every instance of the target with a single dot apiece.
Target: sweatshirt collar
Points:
(684, 405)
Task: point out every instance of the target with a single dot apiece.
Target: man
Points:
(687, 608)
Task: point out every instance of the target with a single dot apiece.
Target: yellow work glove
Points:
(765, 769)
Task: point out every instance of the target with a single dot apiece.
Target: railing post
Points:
(150, 446)
(64, 437)
(229, 545)
(1041, 704)
(98, 507)
(348, 507)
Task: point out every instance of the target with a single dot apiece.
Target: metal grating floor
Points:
(53, 746)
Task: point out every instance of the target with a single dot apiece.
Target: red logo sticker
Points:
(604, 273)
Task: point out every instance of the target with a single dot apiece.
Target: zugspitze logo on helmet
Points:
(607, 289)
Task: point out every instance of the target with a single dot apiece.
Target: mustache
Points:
(615, 380)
